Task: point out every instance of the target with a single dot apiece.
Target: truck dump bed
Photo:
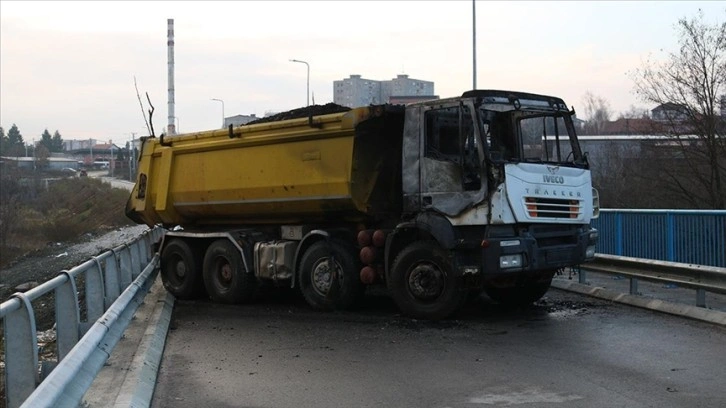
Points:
(335, 167)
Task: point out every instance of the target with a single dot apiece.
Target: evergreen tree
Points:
(3, 141)
(57, 143)
(16, 145)
(46, 140)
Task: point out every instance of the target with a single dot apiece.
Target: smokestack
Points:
(171, 128)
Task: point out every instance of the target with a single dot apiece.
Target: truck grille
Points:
(538, 207)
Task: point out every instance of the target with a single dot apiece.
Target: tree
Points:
(693, 79)
(635, 112)
(41, 156)
(57, 143)
(46, 140)
(3, 141)
(16, 145)
(597, 113)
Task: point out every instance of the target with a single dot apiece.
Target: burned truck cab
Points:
(498, 179)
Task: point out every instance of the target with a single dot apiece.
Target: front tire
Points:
(180, 270)
(328, 276)
(423, 284)
(225, 277)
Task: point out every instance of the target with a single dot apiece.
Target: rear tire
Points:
(225, 276)
(180, 272)
(329, 276)
(423, 284)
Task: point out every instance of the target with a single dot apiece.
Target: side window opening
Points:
(442, 134)
(450, 136)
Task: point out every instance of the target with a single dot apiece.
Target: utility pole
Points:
(132, 157)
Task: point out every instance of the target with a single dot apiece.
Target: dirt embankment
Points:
(44, 264)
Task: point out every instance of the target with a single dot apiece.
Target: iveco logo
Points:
(553, 169)
(553, 179)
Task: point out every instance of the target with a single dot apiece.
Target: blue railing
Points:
(688, 236)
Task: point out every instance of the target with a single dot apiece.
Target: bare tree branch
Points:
(142, 107)
(690, 82)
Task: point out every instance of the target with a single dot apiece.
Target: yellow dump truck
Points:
(432, 200)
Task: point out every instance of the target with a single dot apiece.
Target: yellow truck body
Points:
(298, 170)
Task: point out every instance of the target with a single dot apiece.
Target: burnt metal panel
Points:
(411, 166)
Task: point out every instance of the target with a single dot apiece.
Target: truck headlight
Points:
(595, 203)
(594, 235)
(510, 261)
(590, 252)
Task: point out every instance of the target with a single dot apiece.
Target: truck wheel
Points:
(422, 282)
(519, 295)
(328, 276)
(225, 277)
(179, 271)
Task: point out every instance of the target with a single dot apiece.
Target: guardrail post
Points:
(634, 286)
(111, 278)
(21, 353)
(701, 297)
(581, 276)
(670, 237)
(135, 259)
(148, 240)
(94, 295)
(67, 316)
(125, 267)
(619, 233)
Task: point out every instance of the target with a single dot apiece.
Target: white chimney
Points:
(171, 128)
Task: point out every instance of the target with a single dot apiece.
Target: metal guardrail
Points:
(115, 283)
(699, 277)
(686, 236)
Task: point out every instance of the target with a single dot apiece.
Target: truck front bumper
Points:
(531, 251)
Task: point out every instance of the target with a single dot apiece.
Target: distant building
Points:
(356, 91)
(71, 145)
(51, 163)
(89, 151)
(628, 127)
(239, 120)
(670, 112)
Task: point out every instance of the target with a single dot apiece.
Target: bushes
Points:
(33, 213)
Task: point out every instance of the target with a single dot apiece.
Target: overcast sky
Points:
(70, 66)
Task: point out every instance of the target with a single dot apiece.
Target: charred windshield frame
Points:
(499, 122)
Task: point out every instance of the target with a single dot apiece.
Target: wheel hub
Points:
(322, 276)
(225, 272)
(426, 282)
(180, 269)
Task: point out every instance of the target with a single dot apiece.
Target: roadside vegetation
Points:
(41, 209)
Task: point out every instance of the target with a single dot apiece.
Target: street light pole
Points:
(308, 80)
(219, 100)
(473, 13)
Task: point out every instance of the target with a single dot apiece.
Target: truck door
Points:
(451, 177)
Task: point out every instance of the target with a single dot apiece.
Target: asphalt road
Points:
(566, 351)
(114, 182)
